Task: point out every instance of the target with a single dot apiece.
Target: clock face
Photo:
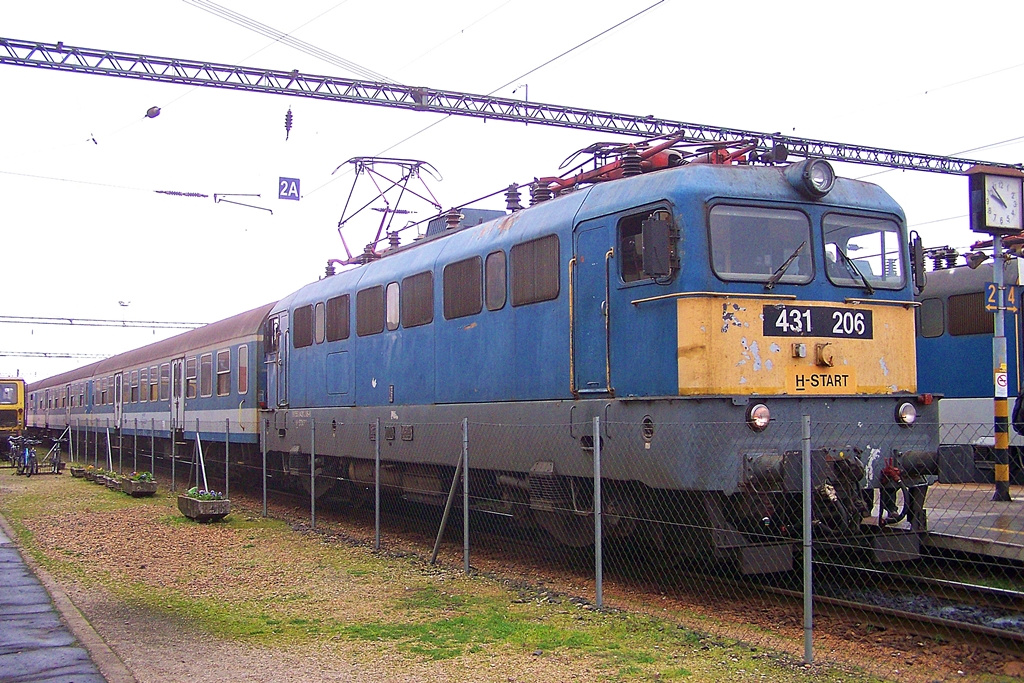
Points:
(1003, 202)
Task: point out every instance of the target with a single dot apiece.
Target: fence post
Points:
(376, 485)
(263, 441)
(312, 473)
(227, 457)
(465, 495)
(120, 451)
(152, 445)
(598, 549)
(173, 449)
(96, 444)
(71, 444)
(808, 589)
(135, 447)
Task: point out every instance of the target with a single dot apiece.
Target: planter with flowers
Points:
(90, 472)
(77, 472)
(113, 481)
(204, 506)
(139, 484)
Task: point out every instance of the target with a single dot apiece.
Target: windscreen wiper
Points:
(781, 270)
(854, 269)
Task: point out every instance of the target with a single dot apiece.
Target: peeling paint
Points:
(768, 365)
(774, 348)
(743, 380)
(885, 368)
(469, 326)
(729, 317)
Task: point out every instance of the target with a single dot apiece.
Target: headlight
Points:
(812, 177)
(906, 413)
(758, 417)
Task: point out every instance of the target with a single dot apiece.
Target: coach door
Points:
(178, 393)
(118, 405)
(590, 317)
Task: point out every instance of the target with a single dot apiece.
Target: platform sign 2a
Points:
(992, 298)
(288, 188)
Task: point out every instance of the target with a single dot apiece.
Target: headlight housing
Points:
(812, 177)
(906, 414)
(758, 417)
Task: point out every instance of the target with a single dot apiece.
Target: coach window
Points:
(337, 318)
(224, 372)
(929, 318)
(370, 311)
(134, 393)
(154, 383)
(967, 315)
(165, 381)
(318, 323)
(190, 377)
(418, 299)
(392, 306)
(631, 243)
(302, 327)
(206, 375)
(461, 282)
(753, 243)
(496, 281)
(143, 385)
(243, 369)
(103, 392)
(535, 271)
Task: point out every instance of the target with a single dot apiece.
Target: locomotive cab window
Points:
(859, 248)
(8, 393)
(302, 327)
(761, 244)
(647, 246)
(929, 318)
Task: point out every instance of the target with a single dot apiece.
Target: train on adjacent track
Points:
(12, 409)
(954, 348)
(699, 309)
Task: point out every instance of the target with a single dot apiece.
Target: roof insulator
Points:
(631, 162)
(453, 218)
(539, 192)
(512, 198)
(288, 124)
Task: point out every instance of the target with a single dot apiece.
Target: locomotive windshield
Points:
(754, 244)
(8, 393)
(863, 251)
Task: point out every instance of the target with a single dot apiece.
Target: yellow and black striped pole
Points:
(1002, 422)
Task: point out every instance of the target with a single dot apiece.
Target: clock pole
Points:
(996, 206)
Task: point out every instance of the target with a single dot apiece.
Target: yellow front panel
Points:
(723, 350)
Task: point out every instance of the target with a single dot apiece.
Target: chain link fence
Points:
(852, 534)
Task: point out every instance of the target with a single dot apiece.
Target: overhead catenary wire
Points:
(98, 322)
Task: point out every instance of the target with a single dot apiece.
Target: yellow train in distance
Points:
(12, 409)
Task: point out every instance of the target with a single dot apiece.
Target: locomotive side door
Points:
(590, 324)
(275, 344)
(118, 400)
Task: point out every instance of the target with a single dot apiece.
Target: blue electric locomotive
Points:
(699, 310)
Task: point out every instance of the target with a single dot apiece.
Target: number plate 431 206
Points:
(816, 321)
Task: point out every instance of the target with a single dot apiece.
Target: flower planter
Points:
(90, 475)
(78, 472)
(114, 483)
(204, 510)
(138, 489)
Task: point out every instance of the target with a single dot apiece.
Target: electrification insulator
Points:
(394, 239)
(453, 218)
(631, 162)
(152, 112)
(512, 198)
(288, 123)
(539, 192)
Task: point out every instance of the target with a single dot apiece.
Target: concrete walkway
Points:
(36, 644)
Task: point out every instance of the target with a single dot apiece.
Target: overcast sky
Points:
(84, 229)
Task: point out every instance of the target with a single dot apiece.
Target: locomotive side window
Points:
(631, 243)
(496, 280)
(191, 373)
(391, 302)
(859, 248)
(337, 318)
(224, 372)
(271, 335)
(318, 323)
(302, 327)
(462, 286)
(243, 369)
(753, 243)
(206, 375)
(967, 315)
(417, 299)
(370, 311)
(535, 271)
(143, 385)
(929, 318)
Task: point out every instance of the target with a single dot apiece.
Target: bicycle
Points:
(27, 463)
